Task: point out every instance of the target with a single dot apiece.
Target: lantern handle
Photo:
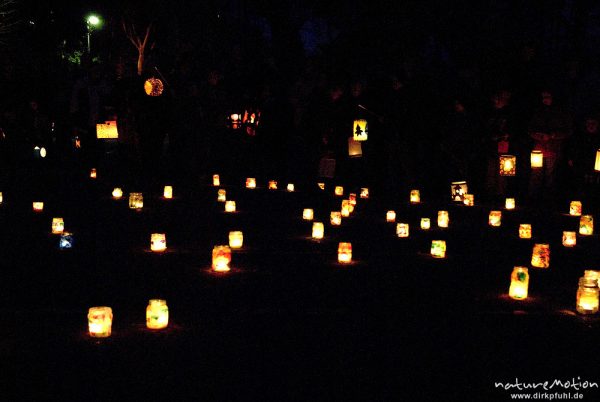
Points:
(164, 80)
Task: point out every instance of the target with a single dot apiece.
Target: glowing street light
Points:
(92, 21)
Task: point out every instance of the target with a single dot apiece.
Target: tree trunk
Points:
(140, 63)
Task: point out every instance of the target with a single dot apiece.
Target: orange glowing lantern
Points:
(586, 225)
(458, 189)
(136, 201)
(58, 225)
(587, 296)
(236, 239)
(364, 192)
(318, 230)
(308, 214)
(495, 218)
(153, 87)
(390, 216)
(158, 242)
(354, 148)
(321, 185)
(38, 206)
(168, 192)
(117, 193)
(509, 203)
(100, 322)
(221, 195)
(569, 239)
(438, 248)
(106, 130)
(229, 206)
(157, 314)
(93, 173)
(361, 130)
(335, 218)
(402, 230)
(443, 219)
(415, 196)
(272, 185)
(352, 199)
(250, 182)
(575, 208)
(339, 190)
(425, 223)
(519, 283)
(345, 252)
(508, 165)
(540, 257)
(346, 208)
(537, 159)
(597, 163)
(221, 258)
(1, 197)
(469, 200)
(235, 120)
(216, 180)
(525, 231)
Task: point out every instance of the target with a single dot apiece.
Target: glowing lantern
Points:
(272, 185)
(537, 159)
(591, 274)
(290, 187)
(586, 225)
(321, 185)
(58, 225)
(390, 216)
(354, 148)
(39, 152)
(402, 230)
(495, 218)
(509, 203)
(158, 242)
(443, 219)
(469, 200)
(335, 218)
(569, 239)
(136, 201)
(540, 257)
(100, 322)
(153, 87)
(575, 208)
(168, 192)
(425, 223)
(251, 182)
(438, 248)
(458, 189)
(38, 206)
(415, 196)
(221, 258)
(587, 296)
(229, 206)
(66, 241)
(117, 193)
(93, 173)
(508, 165)
(339, 190)
(361, 130)
(221, 195)
(216, 180)
(352, 199)
(1, 197)
(519, 283)
(106, 130)
(597, 163)
(347, 208)
(525, 231)
(236, 239)
(364, 192)
(345, 252)
(308, 214)
(157, 314)
(235, 120)
(317, 230)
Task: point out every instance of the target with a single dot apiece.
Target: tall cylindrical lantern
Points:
(402, 230)
(318, 230)
(221, 258)
(508, 165)
(335, 218)
(587, 296)
(100, 321)
(390, 216)
(495, 218)
(345, 252)
(537, 159)
(307, 214)
(586, 225)
(229, 206)
(597, 163)
(58, 225)
(216, 180)
(221, 195)
(236, 239)
(443, 219)
(157, 314)
(93, 173)
(438, 248)
(540, 258)
(569, 239)
(519, 283)
(525, 231)
(575, 208)
(415, 196)
(158, 242)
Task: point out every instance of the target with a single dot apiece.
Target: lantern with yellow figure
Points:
(93, 173)
(458, 189)
(58, 225)
(415, 196)
(221, 195)
(345, 252)
(469, 200)
(508, 165)
(216, 180)
(38, 206)
(346, 208)
(158, 242)
(291, 187)
(339, 191)
(519, 283)
(509, 203)
(540, 258)
(425, 223)
(221, 258)
(251, 182)
(272, 185)
(168, 192)
(352, 199)
(100, 321)
(361, 130)
(157, 314)
(364, 192)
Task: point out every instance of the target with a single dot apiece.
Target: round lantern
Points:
(153, 87)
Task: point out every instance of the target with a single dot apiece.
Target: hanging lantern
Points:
(321, 185)
(158, 242)
(153, 87)
(469, 200)
(317, 230)
(58, 225)
(235, 121)
(458, 189)
(537, 159)
(221, 195)
(425, 223)
(354, 148)
(569, 239)
(495, 218)
(216, 180)
(290, 187)
(525, 231)
(415, 196)
(586, 225)
(443, 219)
(136, 201)
(509, 203)
(272, 185)
(508, 165)
(229, 206)
(361, 130)
(541, 256)
(38, 206)
(352, 199)
(168, 192)
(39, 152)
(364, 192)
(236, 239)
(575, 208)
(250, 182)
(66, 241)
(339, 190)
(345, 210)
(587, 296)
(308, 214)
(597, 163)
(335, 218)
(93, 173)
(100, 322)
(519, 283)
(438, 248)
(157, 314)
(390, 216)
(402, 230)
(345, 252)
(117, 193)
(221, 258)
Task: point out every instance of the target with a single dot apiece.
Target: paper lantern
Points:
(352, 199)
(525, 231)
(443, 219)
(158, 242)
(364, 192)
(39, 152)
(540, 257)
(221, 195)
(569, 239)
(66, 241)
(157, 314)
(100, 321)
(221, 258)
(58, 225)
(308, 214)
(235, 121)
(508, 165)
(345, 252)
(136, 201)
(425, 223)
(335, 218)
(587, 296)
(509, 203)
(390, 216)
(402, 230)
(537, 159)
(229, 206)
(250, 120)
(38, 206)
(597, 163)
(236, 239)
(153, 87)
(345, 210)
(272, 185)
(168, 192)
(415, 196)
(586, 225)
(354, 148)
(117, 193)
(321, 185)
(1, 198)
(519, 283)
(438, 248)
(469, 200)
(250, 182)
(458, 189)
(290, 187)
(575, 208)
(495, 218)
(93, 173)
(361, 130)
(216, 180)
(317, 230)
(339, 190)
(104, 131)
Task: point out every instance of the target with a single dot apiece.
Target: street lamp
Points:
(92, 21)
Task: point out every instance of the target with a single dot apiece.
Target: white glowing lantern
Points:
(236, 239)
(318, 230)
(229, 206)
(438, 248)
(339, 190)
(308, 214)
(443, 219)
(136, 201)
(117, 193)
(390, 216)
(415, 196)
(251, 182)
(510, 203)
(335, 218)
(158, 242)
(100, 322)
(272, 185)
(537, 159)
(157, 314)
(575, 208)
(221, 258)
(216, 180)
(425, 223)
(58, 225)
(221, 195)
(402, 230)
(38, 206)
(495, 218)
(569, 239)
(290, 187)
(168, 192)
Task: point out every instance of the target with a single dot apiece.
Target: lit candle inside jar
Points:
(344, 252)
(519, 283)
(158, 242)
(569, 239)
(236, 239)
(318, 230)
(157, 314)
(100, 322)
(168, 192)
(117, 193)
(221, 258)
(335, 218)
(390, 216)
(58, 225)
